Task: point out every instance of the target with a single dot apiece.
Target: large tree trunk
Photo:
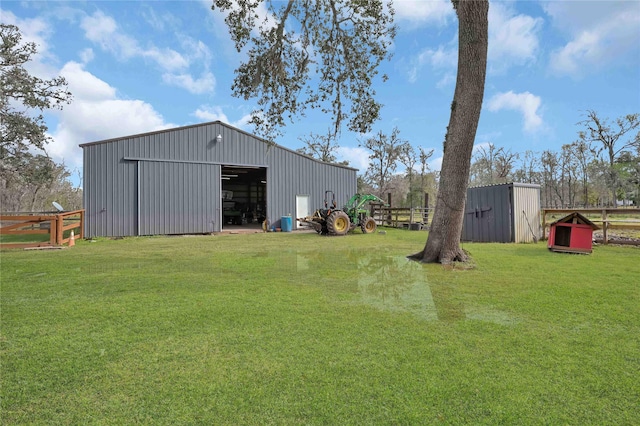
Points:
(443, 243)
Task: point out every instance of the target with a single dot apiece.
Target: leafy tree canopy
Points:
(23, 93)
(310, 54)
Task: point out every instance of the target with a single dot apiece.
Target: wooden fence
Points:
(54, 224)
(401, 217)
(606, 219)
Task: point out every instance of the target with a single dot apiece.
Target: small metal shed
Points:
(505, 213)
(571, 234)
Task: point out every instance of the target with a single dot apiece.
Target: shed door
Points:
(302, 208)
(178, 198)
(487, 216)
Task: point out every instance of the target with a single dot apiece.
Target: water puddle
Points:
(396, 284)
(386, 282)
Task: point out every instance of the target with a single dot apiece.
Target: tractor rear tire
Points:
(368, 225)
(338, 223)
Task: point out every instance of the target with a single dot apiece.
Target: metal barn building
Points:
(200, 179)
(507, 213)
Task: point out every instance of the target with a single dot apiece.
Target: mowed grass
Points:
(288, 328)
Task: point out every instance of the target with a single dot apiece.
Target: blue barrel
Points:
(286, 224)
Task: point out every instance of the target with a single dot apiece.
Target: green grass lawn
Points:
(288, 328)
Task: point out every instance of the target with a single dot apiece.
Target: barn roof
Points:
(209, 123)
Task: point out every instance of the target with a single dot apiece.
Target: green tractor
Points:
(334, 221)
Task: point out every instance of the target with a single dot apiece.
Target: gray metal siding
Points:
(488, 215)
(288, 176)
(186, 171)
(178, 198)
(110, 209)
(502, 213)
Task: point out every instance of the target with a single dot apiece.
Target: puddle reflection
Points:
(394, 283)
(389, 283)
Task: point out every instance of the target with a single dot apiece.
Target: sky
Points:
(140, 66)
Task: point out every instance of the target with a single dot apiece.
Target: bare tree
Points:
(583, 157)
(409, 159)
(606, 139)
(428, 179)
(322, 147)
(483, 165)
(599, 178)
(424, 164)
(551, 179)
(568, 174)
(398, 187)
(385, 152)
(504, 163)
(529, 170)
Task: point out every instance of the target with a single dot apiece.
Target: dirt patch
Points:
(618, 237)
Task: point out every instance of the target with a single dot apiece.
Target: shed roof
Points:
(515, 184)
(576, 217)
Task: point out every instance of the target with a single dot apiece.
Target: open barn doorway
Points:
(244, 197)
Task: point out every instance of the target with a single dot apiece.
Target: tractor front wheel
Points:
(368, 225)
(338, 223)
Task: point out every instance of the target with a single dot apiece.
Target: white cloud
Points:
(442, 60)
(84, 85)
(513, 40)
(586, 49)
(600, 35)
(357, 157)
(103, 30)
(95, 114)
(168, 59)
(435, 164)
(215, 113)
(161, 21)
(206, 83)
(420, 12)
(195, 49)
(86, 55)
(526, 103)
(443, 57)
(448, 79)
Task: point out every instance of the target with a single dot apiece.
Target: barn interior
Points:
(244, 197)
